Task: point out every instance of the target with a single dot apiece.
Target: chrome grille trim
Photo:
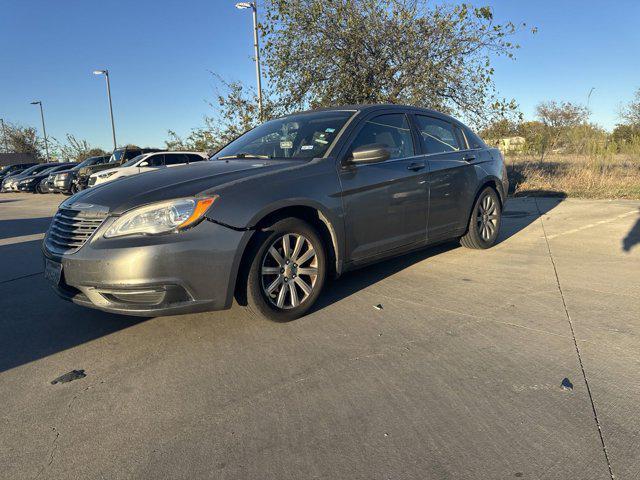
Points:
(70, 229)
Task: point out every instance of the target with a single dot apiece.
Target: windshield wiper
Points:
(242, 155)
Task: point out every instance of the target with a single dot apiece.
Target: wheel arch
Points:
(314, 215)
(489, 181)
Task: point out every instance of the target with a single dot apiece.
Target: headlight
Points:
(162, 217)
(106, 175)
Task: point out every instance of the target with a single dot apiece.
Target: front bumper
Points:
(63, 185)
(157, 275)
(30, 187)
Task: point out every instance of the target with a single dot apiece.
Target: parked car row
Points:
(69, 178)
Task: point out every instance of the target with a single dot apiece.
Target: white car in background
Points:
(146, 162)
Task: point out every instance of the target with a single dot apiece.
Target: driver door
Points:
(385, 203)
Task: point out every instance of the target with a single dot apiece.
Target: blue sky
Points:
(160, 54)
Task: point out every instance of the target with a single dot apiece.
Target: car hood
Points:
(190, 180)
(34, 177)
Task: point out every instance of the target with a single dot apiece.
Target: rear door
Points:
(385, 203)
(452, 177)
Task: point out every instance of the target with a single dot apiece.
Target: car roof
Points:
(366, 108)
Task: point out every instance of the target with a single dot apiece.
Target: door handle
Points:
(414, 167)
(469, 158)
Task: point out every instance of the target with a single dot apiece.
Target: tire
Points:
(484, 222)
(276, 288)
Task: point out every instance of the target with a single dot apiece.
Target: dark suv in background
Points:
(64, 182)
(117, 158)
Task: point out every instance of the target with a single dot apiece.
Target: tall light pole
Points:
(113, 127)
(589, 96)
(44, 130)
(256, 47)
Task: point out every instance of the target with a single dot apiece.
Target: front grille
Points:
(70, 229)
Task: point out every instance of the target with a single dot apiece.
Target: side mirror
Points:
(372, 153)
(143, 164)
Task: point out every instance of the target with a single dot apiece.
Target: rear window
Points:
(175, 158)
(437, 135)
(194, 158)
(475, 142)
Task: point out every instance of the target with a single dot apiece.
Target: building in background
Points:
(15, 158)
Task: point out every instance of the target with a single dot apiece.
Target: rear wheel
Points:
(484, 224)
(287, 270)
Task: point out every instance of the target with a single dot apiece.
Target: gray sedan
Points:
(277, 212)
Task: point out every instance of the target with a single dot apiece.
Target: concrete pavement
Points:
(459, 375)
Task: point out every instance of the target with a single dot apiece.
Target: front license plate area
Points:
(52, 271)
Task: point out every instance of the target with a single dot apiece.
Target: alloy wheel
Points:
(289, 271)
(487, 218)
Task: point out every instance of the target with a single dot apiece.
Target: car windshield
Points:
(33, 170)
(116, 156)
(134, 160)
(305, 135)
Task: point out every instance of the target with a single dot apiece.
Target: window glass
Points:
(155, 160)
(306, 135)
(174, 158)
(460, 136)
(474, 141)
(437, 135)
(194, 158)
(391, 130)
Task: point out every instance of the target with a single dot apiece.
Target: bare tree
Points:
(631, 112)
(321, 53)
(76, 150)
(19, 139)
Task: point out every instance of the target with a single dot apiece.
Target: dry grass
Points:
(602, 176)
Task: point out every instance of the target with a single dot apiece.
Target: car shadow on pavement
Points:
(518, 215)
(23, 226)
(36, 323)
(633, 237)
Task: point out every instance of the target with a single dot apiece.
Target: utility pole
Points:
(44, 129)
(256, 48)
(113, 127)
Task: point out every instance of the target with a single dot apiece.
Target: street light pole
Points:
(44, 130)
(256, 48)
(113, 127)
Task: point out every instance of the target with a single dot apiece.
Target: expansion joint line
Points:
(575, 342)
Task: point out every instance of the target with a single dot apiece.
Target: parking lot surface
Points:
(446, 363)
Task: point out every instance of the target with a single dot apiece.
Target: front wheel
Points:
(287, 271)
(484, 224)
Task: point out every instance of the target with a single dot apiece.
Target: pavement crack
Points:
(575, 343)
(52, 453)
(21, 277)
